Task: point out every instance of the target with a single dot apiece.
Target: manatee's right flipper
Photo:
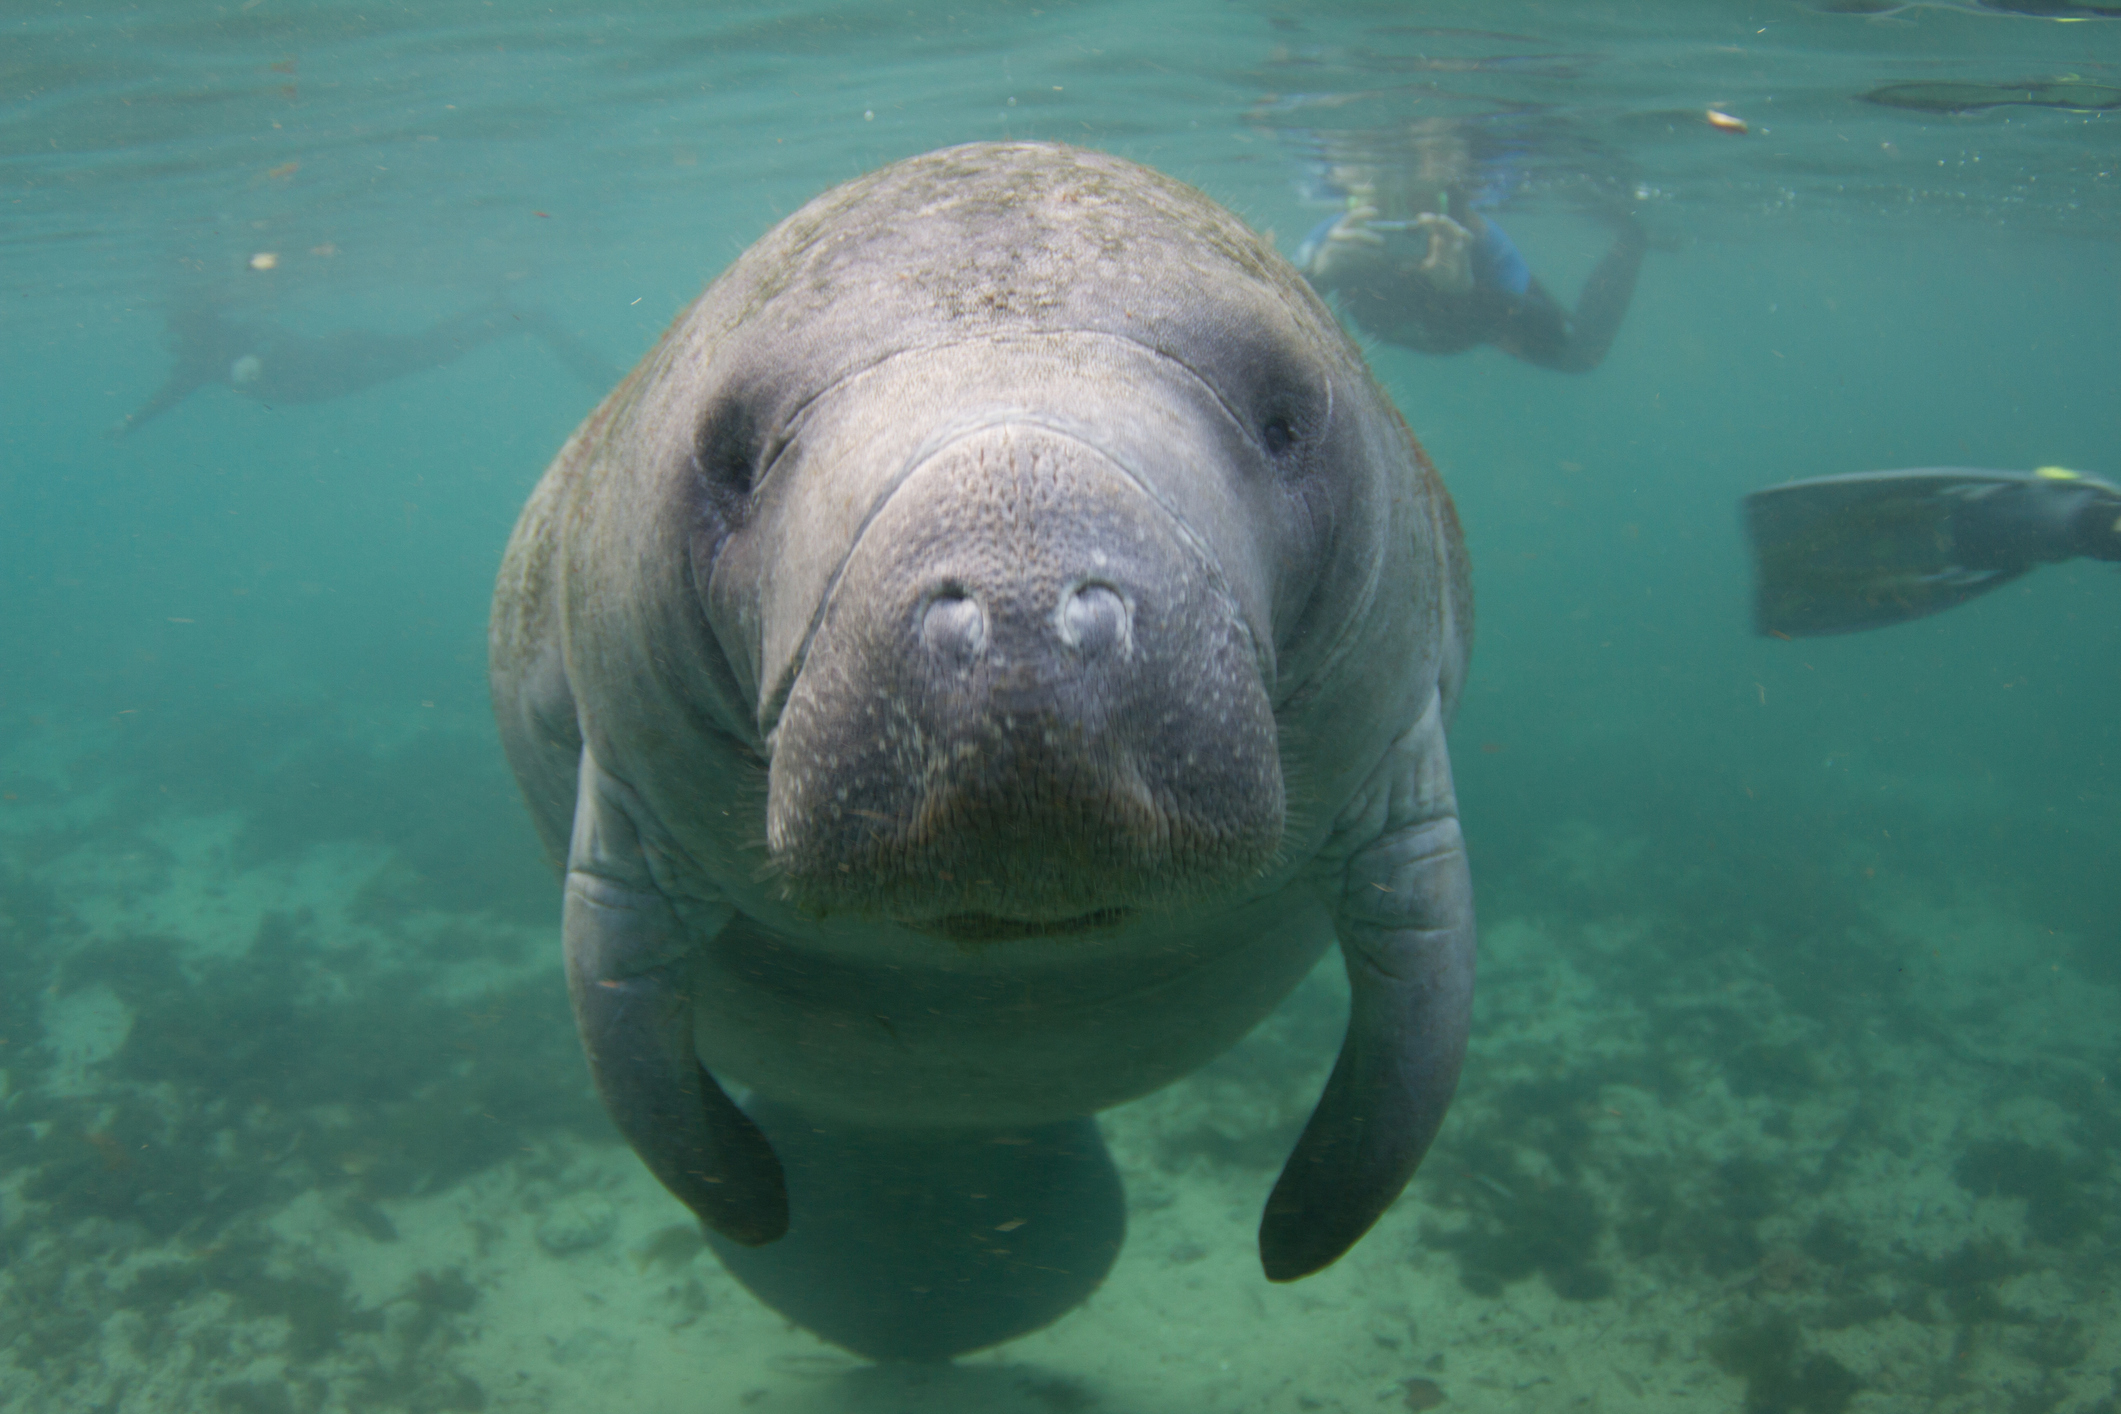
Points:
(923, 1245)
(1404, 916)
(628, 962)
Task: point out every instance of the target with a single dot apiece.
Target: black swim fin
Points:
(1836, 554)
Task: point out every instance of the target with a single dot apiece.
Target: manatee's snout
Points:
(1030, 705)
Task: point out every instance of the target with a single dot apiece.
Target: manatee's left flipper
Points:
(1404, 915)
(628, 963)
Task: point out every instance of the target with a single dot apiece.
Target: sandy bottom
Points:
(278, 1134)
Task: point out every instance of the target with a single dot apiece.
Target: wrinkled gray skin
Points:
(974, 666)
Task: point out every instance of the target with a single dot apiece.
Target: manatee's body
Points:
(970, 670)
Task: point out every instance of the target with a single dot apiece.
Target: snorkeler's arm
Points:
(1538, 330)
(203, 343)
(175, 389)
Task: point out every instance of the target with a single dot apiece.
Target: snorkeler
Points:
(273, 364)
(1840, 553)
(1414, 264)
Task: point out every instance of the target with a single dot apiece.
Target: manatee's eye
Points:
(728, 457)
(1278, 435)
(727, 452)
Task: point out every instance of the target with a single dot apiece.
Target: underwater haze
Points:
(1792, 1077)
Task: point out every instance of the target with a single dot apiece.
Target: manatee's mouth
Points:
(993, 928)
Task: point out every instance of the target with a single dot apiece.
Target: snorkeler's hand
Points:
(1449, 264)
(1350, 243)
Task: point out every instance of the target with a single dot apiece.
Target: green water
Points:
(275, 937)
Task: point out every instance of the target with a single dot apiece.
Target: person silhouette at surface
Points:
(273, 364)
(1411, 262)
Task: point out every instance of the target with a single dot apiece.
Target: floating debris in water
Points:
(1724, 122)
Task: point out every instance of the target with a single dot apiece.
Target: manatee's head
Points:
(1021, 505)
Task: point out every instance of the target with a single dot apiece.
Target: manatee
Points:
(968, 673)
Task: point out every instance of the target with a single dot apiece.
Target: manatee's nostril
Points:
(954, 626)
(1094, 619)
